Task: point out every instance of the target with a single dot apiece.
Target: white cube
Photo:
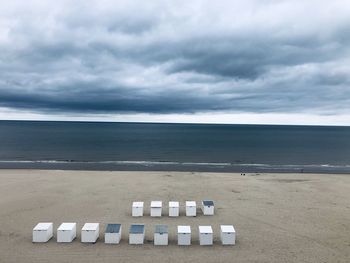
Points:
(137, 209)
(66, 232)
(42, 232)
(173, 208)
(156, 208)
(113, 233)
(90, 232)
(205, 235)
(208, 207)
(161, 235)
(191, 208)
(136, 234)
(183, 235)
(227, 235)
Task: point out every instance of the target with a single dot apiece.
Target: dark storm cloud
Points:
(258, 56)
(115, 100)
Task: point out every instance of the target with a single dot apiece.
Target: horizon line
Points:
(189, 123)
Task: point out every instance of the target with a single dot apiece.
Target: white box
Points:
(42, 232)
(191, 208)
(90, 232)
(161, 235)
(183, 235)
(227, 235)
(66, 232)
(113, 233)
(156, 208)
(136, 234)
(205, 235)
(208, 207)
(137, 209)
(173, 208)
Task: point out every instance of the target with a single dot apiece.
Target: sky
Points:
(252, 61)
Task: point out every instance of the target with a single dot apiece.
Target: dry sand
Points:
(278, 217)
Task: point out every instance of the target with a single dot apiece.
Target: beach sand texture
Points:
(278, 217)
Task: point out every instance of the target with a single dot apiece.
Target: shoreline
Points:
(173, 166)
(278, 217)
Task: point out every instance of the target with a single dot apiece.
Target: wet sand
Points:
(278, 217)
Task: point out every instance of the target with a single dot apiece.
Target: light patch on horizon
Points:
(200, 118)
(222, 60)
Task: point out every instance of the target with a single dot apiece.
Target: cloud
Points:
(165, 58)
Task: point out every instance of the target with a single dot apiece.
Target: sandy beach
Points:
(278, 217)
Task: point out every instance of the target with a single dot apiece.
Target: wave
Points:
(116, 162)
(150, 163)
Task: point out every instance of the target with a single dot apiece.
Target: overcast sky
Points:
(252, 61)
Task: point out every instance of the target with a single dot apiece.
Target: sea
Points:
(174, 147)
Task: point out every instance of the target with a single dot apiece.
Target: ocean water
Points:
(150, 146)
